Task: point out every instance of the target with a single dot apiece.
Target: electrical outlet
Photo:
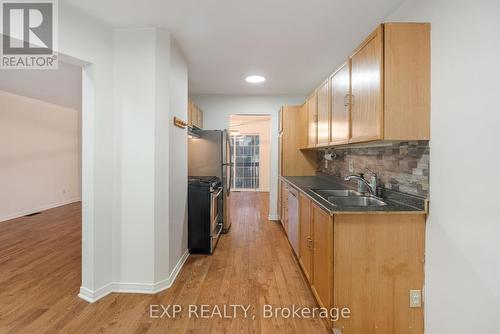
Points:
(351, 166)
(415, 298)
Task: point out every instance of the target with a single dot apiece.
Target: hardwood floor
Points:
(253, 265)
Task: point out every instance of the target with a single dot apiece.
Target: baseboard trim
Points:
(39, 209)
(273, 217)
(93, 296)
(145, 288)
(167, 283)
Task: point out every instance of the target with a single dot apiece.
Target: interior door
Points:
(340, 85)
(366, 83)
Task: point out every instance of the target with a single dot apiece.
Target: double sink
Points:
(348, 198)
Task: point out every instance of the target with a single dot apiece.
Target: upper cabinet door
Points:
(366, 85)
(407, 78)
(340, 86)
(312, 107)
(280, 124)
(190, 112)
(200, 119)
(323, 114)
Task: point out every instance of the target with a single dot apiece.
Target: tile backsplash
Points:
(402, 166)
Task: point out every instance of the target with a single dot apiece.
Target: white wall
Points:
(89, 43)
(134, 76)
(126, 154)
(218, 108)
(462, 245)
(150, 89)
(39, 159)
(162, 155)
(178, 158)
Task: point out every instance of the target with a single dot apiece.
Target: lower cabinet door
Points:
(284, 206)
(305, 230)
(322, 255)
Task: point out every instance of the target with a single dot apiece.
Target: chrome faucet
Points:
(360, 178)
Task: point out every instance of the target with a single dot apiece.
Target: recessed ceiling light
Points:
(255, 78)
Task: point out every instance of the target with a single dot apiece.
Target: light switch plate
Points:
(415, 298)
(351, 166)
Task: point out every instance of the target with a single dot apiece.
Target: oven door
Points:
(215, 221)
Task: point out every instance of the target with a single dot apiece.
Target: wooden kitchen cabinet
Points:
(293, 161)
(382, 92)
(322, 282)
(280, 121)
(306, 237)
(284, 205)
(195, 115)
(200, 118)
(367, 262)
(323, 112)
(378, 259)
(190, 112)
(390, 84)
(312, 112)
(340, 90)
(407, 73)
(366, 87)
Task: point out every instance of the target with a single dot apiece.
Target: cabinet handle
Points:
(348, 100)
(309, 243)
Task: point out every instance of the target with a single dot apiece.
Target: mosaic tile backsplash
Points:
(402, 166)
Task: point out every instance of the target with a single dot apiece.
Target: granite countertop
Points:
(396, 202)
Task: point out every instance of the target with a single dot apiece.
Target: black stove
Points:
(202, 179)
(205, 215)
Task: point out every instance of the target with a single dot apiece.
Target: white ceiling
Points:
(294, 43)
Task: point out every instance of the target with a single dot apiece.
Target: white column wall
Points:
(178, 161)
(126, 149)
(135, 75)
(89, 43)
(462, 268)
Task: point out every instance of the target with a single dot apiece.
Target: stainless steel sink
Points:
(345, 197)
(364, 201)
(335, 193)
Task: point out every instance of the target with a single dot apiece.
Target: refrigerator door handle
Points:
(229, 162)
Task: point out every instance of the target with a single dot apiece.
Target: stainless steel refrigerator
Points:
(209, 153)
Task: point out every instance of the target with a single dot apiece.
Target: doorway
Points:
(250, 137)
(246, 162)
(40, 136)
